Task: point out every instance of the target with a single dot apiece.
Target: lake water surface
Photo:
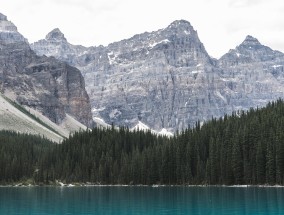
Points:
(140, 200)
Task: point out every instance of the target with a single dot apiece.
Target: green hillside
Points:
(245, 148)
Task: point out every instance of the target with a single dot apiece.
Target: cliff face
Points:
(254, 73)
(161, 78)
(44, 83)
(166, 79)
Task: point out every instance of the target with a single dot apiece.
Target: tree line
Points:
(243, 148)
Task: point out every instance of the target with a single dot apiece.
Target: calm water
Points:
(141, 200)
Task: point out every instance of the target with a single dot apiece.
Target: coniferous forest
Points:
(244, 148)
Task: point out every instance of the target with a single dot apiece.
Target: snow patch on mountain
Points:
(143, 127)
(276, 66)
(140, 127)
(220, 96)
(165, 132)
(101, 123)
(156, 43)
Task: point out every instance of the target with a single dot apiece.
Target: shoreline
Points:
(76, 185)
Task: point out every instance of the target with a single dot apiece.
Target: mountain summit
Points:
(251, 41)
(248, 52)
(55, 35)
(9, 32)
(181, 24)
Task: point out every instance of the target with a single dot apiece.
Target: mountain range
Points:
(167, 80)
(163, 80)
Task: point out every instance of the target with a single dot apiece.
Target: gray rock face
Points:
(166, 79)
(56, 45)
(55, 35)
(248, 52)
(9, 32)
(254, 73)
(3, 17)
(44, 83)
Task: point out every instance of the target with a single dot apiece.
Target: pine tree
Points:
(237, 162)
(260, 163)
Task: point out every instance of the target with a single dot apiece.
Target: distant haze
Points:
(221, 24)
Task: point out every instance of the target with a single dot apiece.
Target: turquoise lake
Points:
(140, 200)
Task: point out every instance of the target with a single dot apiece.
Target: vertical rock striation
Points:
(166, 79)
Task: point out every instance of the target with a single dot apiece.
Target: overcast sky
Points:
(221, 24)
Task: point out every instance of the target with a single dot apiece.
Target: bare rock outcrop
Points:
(44, 83)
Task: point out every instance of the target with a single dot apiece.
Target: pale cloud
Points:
(244, 3)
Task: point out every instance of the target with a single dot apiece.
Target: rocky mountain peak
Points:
(55, 35)
(9, 32)
(6, 25)
(181, 26)
(3, 17)
(248, 52)
(250, 41)
(180, 23)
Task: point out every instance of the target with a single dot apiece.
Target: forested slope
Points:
(245, 148)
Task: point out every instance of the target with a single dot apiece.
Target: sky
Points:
(221, 24)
